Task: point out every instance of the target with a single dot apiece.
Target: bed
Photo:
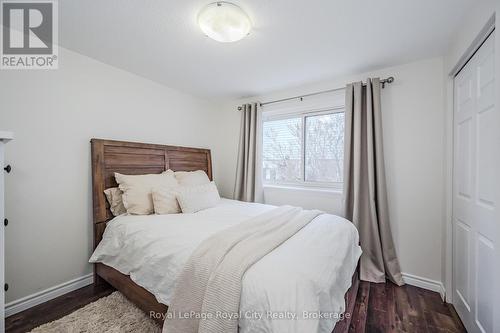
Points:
(141, 255)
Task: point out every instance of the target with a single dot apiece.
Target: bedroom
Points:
(351, 111)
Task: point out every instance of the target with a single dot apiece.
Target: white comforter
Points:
(299, 287)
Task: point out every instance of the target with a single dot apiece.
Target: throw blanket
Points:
(207, 293)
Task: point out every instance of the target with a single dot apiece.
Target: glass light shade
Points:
(225, 22)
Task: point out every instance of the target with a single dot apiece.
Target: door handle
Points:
(8, 168)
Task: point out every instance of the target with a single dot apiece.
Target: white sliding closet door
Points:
(475, 211)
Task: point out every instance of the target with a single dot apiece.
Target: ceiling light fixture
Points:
(224, 21)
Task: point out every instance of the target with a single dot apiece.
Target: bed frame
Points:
(133, 158)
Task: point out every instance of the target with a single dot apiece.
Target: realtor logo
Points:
(29, 35)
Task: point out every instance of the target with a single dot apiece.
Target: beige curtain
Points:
(248, 173)
(365, 195)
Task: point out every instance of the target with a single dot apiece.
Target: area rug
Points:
(114, 314)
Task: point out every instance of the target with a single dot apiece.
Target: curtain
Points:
(365, 194)
(248, 185)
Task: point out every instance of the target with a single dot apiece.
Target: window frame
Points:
(302, 114)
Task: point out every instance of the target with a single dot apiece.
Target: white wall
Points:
(227, 138)
(471, 25)
(413, 122)
(309, 198)
(54, 114)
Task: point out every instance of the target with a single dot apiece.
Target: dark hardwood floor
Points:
(389, 308)
(379, 308)
(54, 309)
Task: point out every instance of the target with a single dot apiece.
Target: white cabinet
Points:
(4, 138)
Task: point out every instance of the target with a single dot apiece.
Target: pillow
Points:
(137, 197)
(165, 201)
(114, 196)
(195, 198)
(192, 178)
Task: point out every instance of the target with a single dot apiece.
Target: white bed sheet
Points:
(306, 276)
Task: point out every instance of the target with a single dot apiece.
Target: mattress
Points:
(298, 287)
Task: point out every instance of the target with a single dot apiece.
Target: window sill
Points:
(315, 189)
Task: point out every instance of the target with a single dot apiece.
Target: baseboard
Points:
(66, 287)
(47, 294)
(425, 283)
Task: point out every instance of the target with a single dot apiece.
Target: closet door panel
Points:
(475, 212)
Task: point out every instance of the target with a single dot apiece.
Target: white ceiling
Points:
(292, 42)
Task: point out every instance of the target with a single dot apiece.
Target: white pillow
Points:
(165, 201)
(114, 196)
(137, 189)
(192, 178)
(195, 198)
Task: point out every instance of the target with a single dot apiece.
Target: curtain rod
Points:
(390, 79)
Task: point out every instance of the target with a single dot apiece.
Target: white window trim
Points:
(300, 187)
(308, 112)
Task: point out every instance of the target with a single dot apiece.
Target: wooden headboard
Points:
(132, 158)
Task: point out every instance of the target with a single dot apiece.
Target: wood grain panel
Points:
(100, 208)
(181, 166)
(132, 150)
(131, 160)
(194, 156)
(134, 158)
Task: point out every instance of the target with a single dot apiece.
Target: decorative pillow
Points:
(165, 201)
(114, 196)
(192, 178)
(137, 189)
(195, 198)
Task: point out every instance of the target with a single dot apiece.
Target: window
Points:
(304, 149)
(282, 147)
